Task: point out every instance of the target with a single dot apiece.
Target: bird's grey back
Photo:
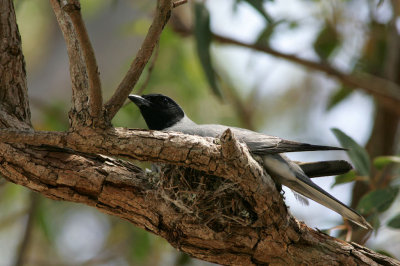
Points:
(254, 140)
(257, 143)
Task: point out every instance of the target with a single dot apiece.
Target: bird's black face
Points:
(159, 111)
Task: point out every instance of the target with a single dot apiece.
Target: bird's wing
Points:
(289, 174)
(261, 144)
(257, 143)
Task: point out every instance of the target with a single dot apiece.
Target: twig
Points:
(77, 66)
(25, 241)
(383, 89)
(244, 112)
(149, 70)
(179, 3)
(72, 8)
(162, 15)
(386, 91)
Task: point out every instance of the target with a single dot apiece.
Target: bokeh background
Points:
(252, 89)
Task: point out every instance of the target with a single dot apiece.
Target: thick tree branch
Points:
(119, 188)
(72, 7)
(180, 149)
(14, 105)
(162, 15)
(254, 228)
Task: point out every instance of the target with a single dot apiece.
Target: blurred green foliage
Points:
(380, 198)
(187, 69)
(358, 155)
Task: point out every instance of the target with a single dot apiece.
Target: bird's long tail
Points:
(314, 192)
(325, 168)
(291, 175)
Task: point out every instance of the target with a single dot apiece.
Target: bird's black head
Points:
(159, 111)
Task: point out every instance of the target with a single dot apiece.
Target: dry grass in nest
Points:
(214, 201)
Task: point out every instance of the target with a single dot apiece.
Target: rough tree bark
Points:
(251, 226)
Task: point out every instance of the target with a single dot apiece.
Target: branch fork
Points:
(67, 165)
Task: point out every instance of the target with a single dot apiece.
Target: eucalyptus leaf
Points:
(345, 178)
(381, 161)
(378, 201)
(395, 222)
(327, 41)
(259, 6)
(341, 94)
(203, 38)
(358, 155)
(375, 222)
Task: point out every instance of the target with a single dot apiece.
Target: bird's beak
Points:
(138, 100)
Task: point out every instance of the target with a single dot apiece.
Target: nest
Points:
(213, 201)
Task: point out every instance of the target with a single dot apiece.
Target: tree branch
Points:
(252, 227)
(270, 235)
(73, 7)
(14, 104)
(179, 3)
(149, 70)
(79, 114)
(156, 146)
(162, 15)
(386, 91)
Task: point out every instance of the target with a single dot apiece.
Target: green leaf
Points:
(344, 178)
(327, 41)
(358, 155)
(381, 161)
(395, 222)
(259, 6)
(183, 259)
(265, 35)
(377, 201)
(203, 38)
(374, 221)
(141, 246)
(44, 221)
(341, 94)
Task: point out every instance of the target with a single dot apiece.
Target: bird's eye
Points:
(165, 101)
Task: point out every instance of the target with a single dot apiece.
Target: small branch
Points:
(72, 8)
(162, 15)
(179, 3)
(79, 113)
(149, 70)
(381, 88)
(26, 239)
(384, 90)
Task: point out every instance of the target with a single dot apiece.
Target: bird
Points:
(162, 113)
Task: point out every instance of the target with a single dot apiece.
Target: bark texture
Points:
(269, 234)
(227, 210)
